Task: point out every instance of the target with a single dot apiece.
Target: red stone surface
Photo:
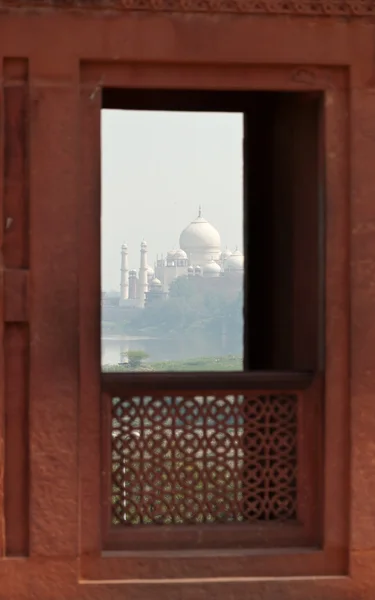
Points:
(53, 64)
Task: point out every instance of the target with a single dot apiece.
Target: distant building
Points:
(155, 293)
(199, 256)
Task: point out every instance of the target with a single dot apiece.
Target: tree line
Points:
(188, 309)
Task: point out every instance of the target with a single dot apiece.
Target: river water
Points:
(114, 347)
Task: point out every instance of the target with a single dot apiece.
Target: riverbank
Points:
(204, 363)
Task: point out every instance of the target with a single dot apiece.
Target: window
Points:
(172, 241)
(224, 458)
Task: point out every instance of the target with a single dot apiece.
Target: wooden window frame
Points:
(326, 553)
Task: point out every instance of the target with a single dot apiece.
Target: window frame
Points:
(100, 560)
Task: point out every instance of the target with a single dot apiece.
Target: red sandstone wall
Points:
(41, 518)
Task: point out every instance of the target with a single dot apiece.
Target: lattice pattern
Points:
(203, 459)
(351, 8)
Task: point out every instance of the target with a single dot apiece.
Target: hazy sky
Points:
(157, 168)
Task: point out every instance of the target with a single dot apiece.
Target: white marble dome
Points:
(156, 283)
(201, 241)
(225, 254)
(235, 262)
(180, 255)
(212, 269)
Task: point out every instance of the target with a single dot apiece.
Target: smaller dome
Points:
(180, 255)
(198, 269)
(143, 244)
(190, 269)
(225, 254)
(156, 282)
(212, 269)
(235, 262)
(150, 271)
(133, 272)
(124, 247)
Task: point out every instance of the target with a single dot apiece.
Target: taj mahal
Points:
(199, 257)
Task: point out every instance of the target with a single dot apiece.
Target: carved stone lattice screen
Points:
(203, 459)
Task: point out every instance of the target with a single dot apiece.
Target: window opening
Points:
(216, 448)
(172, 248)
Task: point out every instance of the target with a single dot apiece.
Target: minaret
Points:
(124, 288)
(132, 284)
(143, 285)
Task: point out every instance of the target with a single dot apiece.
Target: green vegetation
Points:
(204, 363)
(218, 363)
(135, 358)
(187, 310)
